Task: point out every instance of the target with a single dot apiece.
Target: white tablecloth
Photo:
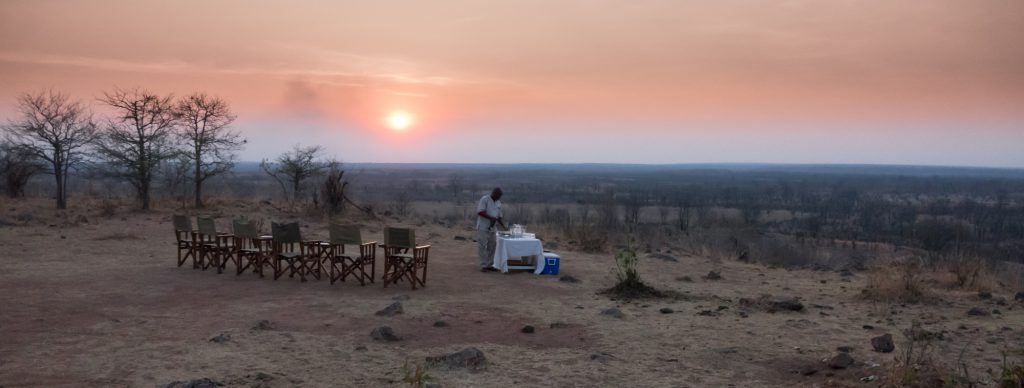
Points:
(516, 247)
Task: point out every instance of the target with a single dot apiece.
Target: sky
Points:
(930, 82)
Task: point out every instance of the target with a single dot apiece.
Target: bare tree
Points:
(138, 137)
(291, 168)
(17, 166)
(334, 189)
(55, 129)
(210, 144)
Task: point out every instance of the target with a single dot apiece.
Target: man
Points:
(488, 212)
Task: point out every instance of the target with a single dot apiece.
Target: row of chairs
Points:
(284, 251)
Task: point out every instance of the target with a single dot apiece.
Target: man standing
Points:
(488, 212)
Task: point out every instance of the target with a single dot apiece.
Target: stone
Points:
(527, 329)
(469, 358)
(663, 257)
(883, 343)
(601, 357)
(977, 312)
(568, 279)
(196, 383)
(260, 376)
(841, 360)
(559, 325)
(460, 238)
(361, 348)
(613, 312)
(807, 370)
(868, 327)
(707, 313)
(984, 295)
(384, 333)
(844, 349)
(684, 279)
(264, 325)
(440, 324)
(845, 273)
(713, 276)
(786, 304)
(666, 310)
(1019, 297)
(391, 310)
(221, 338)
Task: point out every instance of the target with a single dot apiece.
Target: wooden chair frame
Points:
(250, 250)
(343, 265)
(399, 263)
(289, 248)
(183, 234)
(215, 248)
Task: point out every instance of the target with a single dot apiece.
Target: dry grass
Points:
(897, 281)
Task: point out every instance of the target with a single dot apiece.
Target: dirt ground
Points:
(100, 302)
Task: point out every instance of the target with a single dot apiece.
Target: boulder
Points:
(883, 343)
(384, 333)
(468, 358)
(841, 360)
(613, 312)
(391, 310)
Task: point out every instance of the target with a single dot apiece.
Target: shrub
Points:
(897, 281)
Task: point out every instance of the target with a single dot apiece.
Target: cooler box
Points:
(551, 260)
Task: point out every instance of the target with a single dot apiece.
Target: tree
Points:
(291, 168)
(210, 143)
(56, 129)
(138, 137)
(334, 189)
(17, 166)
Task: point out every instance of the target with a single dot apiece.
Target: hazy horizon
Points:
(913, 83)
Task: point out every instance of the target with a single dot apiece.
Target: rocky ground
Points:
(98, 301)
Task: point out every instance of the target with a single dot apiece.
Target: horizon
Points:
(915, 83)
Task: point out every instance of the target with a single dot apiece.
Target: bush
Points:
(628, 283)
(897, 281)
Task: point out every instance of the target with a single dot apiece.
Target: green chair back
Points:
(207, 226)
(399, 237)
(345, 234)
(285, 233)
(244, 229)
(182, 223)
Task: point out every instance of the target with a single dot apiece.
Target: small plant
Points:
(416, 376)
(1012, 376)
(629, 284)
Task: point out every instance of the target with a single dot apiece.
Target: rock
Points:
(568, 279)
(527, 329)
(785, 304)
(559, 325)
(613, 312)
(713, 276)
(997, 312)
(984, 295)
(361, 348)
(807, 370)
(868, 327)
(384, 333)
(977, 312)
(260, 376)
(460, 238)
(221, 338)
(883, 343)
(1019, 297)
(707, 313)
(264, 325)
(684, 279)
(468, 358)
(391, 310)
(841, 360)
(868, 379)
(440, 324)
(844, 349)
(601, 357)
(845, 273)
(197, 383)
(663, 257)
(666, 310)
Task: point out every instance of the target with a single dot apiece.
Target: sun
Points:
(399, 121)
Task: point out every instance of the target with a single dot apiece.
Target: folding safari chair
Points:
(214, 247)
(403, 259)
(290, 254)
(355, 264)
(183, 233)
(250, 250)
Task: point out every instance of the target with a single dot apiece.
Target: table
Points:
(506, 247)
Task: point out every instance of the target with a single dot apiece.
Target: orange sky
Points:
(802, 81)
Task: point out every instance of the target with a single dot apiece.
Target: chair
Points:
(399, 263)
(183, 233)
(288, 248)
(214, 248)
(250, 251)
(343, 265)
